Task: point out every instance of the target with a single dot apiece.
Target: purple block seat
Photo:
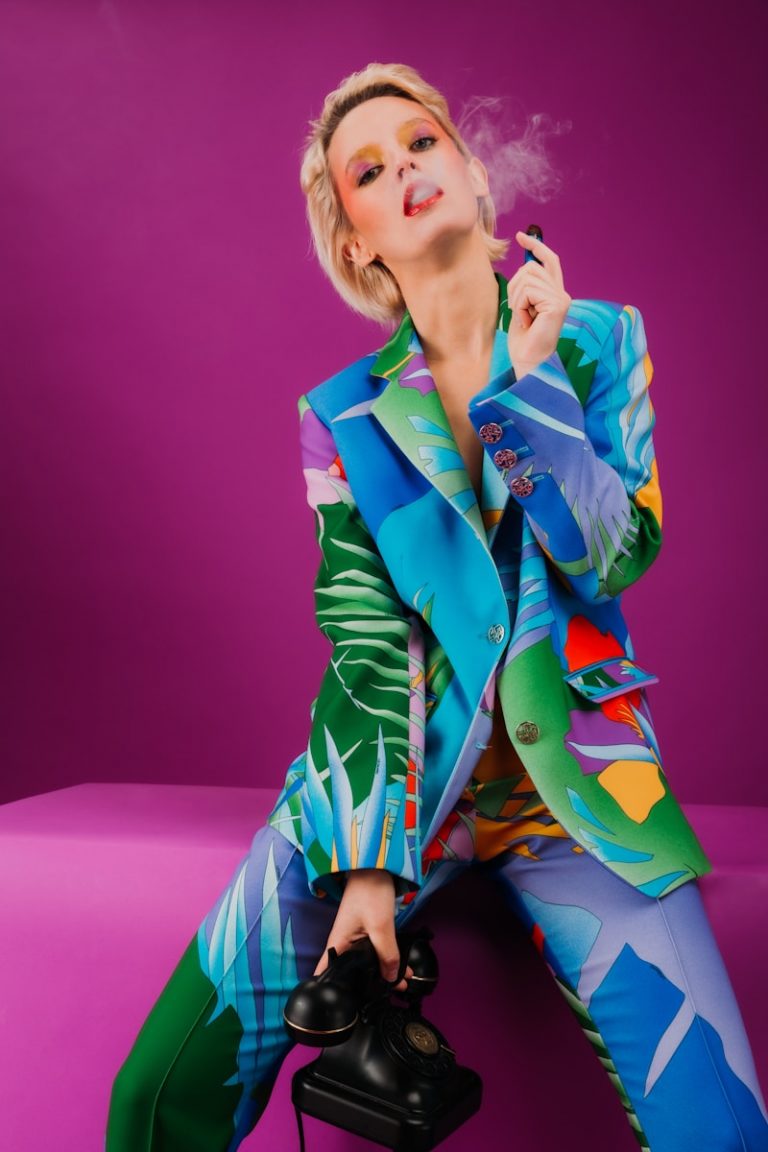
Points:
(103, 885)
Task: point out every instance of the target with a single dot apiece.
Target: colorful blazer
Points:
(431, 611)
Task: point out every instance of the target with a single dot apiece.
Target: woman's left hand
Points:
(539, 303)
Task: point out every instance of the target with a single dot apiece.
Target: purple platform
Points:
(102, 886)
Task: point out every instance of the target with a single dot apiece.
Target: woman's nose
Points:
(405, 164)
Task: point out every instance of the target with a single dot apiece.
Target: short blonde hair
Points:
(372, 290)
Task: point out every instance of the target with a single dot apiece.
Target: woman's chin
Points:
(446, 238)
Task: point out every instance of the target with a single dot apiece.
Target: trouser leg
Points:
(204, 1063)
(202, 1068)
(649, 987)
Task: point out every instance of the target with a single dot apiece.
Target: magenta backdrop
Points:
(161, 313)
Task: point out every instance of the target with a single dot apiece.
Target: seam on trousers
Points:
(204, 1009)
(697, 1018)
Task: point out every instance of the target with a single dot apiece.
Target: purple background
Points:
(161, 313)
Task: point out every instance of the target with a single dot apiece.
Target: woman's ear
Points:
(358, 252)
(478, 176)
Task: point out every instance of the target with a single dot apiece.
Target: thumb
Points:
(322, 963)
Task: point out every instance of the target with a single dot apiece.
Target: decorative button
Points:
(521, 486)
(505, 458)
(496, 633)
(491, 433)
(527, 732)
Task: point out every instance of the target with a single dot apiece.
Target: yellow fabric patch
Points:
(649, 496)
(635, 786)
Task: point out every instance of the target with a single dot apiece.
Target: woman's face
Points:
(402, 182)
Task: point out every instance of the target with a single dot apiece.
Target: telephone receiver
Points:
(324, 1010)
(384, 1072)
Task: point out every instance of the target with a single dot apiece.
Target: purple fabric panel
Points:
(317, 447)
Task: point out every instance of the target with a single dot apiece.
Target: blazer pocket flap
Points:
(608, 678)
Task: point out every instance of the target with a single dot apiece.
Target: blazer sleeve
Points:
(361, 792)
(586, 476)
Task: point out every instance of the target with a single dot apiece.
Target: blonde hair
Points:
(371, 290)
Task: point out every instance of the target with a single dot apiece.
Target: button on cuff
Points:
(491, 432)
(521, 486)
(505, 458)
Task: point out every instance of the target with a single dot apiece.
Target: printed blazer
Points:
(431, 611)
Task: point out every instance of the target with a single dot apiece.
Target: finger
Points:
(530, 269)
(535, 291)
(322, 963)
(385, 945)
(337, 942)
(530, 272)
(537, 287)
(402, 986)
(528, 301)
(407, 975)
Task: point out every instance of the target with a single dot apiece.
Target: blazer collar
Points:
(410, 410)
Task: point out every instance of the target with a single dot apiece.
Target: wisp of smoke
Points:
(516, 166)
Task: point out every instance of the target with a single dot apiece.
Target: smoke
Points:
(517, 163)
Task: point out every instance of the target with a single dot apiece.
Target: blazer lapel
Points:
(409, 408)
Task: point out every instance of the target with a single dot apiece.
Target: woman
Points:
(484, 488)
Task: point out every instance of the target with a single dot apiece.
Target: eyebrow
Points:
(367, 149)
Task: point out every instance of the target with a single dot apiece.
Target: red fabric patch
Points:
(586, 644)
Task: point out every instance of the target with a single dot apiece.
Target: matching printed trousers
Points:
(643, 976)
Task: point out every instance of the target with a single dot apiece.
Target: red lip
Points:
(419, 195)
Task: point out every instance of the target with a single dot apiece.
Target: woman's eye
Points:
(368, 175)
(420, 144)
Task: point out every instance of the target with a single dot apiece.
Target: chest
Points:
(456, 385)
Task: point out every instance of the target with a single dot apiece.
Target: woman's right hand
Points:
(367, 908)
(539, 302)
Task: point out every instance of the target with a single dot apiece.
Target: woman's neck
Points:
(453, 305)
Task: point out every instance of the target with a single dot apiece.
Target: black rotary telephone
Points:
(385, 1072)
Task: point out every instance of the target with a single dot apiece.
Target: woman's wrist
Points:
(368, 873)
(521, 370)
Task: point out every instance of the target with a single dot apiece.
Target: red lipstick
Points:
(419, 195)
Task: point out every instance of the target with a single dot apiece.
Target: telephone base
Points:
(400, 1126)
